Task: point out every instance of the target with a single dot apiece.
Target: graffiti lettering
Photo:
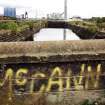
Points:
(58, 82)
(33, 80)
(87, 78)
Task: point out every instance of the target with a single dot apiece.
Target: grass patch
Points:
(18, 26)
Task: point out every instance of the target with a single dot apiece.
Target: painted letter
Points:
(58, 82)
(8, 76)
(19, 80)
(80, 80)
(68, 83)
(91, 77)
(33, 81)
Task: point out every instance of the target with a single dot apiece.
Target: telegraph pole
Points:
(65, 9)
(65, 17)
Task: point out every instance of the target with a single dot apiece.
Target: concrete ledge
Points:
(57, 51)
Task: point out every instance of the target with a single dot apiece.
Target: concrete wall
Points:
(77, 65)
(60, 51)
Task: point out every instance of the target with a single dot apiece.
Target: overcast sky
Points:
(83, 8)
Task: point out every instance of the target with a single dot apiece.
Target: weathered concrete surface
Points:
(44, 57)
(59, 51)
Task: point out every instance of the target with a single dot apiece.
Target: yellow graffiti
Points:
(98, 73)
(8, 77)
(90, 78)
(77, 83)
(68, 84)
(86, 78)
(51, 81)
(19, 80)
(82, 73)
(33, 81)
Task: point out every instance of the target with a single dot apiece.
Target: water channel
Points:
(55, 34)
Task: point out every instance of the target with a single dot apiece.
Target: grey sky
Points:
(83, 8)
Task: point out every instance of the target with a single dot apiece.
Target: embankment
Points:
(86, 33)
(26, 34)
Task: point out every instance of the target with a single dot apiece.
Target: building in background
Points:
(76, 18)
(10, 12)
(55, 16)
